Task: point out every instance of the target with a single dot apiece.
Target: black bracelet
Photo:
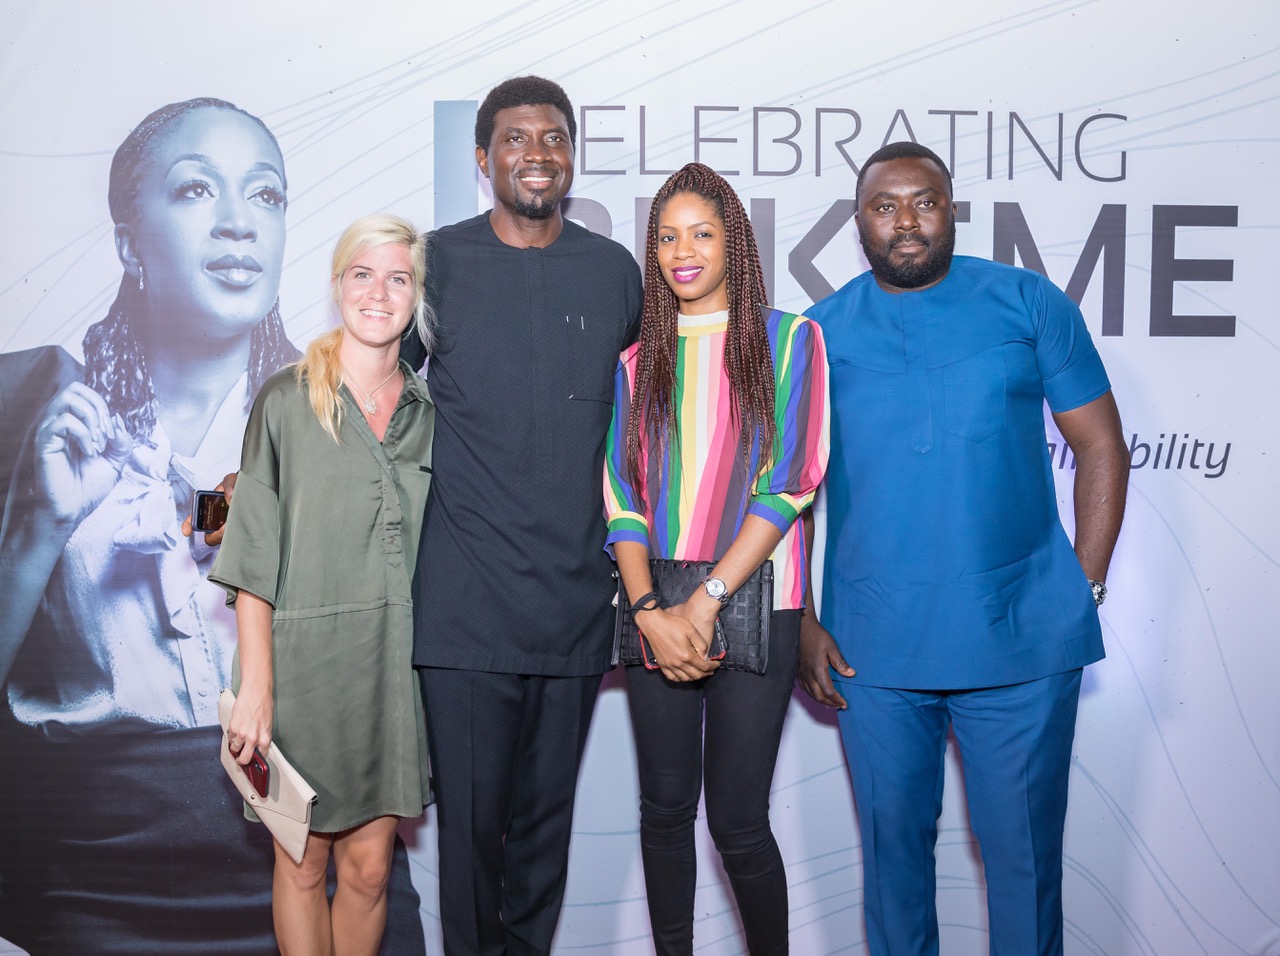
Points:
(646, 602)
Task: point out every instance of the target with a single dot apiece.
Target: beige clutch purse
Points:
(286, 809)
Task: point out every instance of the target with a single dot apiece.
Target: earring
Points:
(142, 283)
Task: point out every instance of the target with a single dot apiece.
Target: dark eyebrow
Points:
(258, 167)
(692, 225)
(266, 168)
(546, 130)
(885, 194)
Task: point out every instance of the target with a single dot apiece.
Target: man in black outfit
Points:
(513, 597)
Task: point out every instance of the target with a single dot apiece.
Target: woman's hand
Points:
(254, 710)
(80, 450)
(250, 724)
(76, 458)
(701, 611)
(678, 642)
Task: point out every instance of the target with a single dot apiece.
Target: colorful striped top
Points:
(694, 511)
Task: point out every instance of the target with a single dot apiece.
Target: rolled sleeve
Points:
(622, 506)
(803, 438)
(249, 559)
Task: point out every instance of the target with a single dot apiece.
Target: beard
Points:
(912, 275)
(538, 208)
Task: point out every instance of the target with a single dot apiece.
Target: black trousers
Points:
(505, 751)
(723, 729)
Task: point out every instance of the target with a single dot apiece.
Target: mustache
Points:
(909, 237)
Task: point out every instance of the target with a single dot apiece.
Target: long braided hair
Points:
(748, 361)
(115, 366)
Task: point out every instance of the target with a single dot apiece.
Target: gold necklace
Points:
(367, 401)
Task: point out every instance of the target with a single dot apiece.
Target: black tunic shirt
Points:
(512, 574)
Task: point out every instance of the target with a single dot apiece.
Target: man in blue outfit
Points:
(950, 583)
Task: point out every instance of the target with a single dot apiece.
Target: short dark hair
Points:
(903, 150)
(523, 91)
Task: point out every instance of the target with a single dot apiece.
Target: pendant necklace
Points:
(367, 401)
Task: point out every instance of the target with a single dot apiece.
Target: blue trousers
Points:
(1015, 746)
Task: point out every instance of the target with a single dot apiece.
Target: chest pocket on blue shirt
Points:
(974, 390)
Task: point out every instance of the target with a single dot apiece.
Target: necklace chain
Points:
(366, 398)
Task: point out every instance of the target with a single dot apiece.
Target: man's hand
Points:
(1101, 481)
(214, 538)
(818, 652)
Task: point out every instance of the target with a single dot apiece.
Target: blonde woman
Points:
(318, 557)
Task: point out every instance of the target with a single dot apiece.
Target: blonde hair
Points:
(320, 367)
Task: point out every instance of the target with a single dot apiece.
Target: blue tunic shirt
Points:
(947, 566)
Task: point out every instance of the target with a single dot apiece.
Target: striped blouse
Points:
(695, 510)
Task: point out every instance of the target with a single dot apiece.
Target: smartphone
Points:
(646, 656)
(257, 772)
(718, 646)
(209, 511)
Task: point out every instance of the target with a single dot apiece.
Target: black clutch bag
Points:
(742, 629)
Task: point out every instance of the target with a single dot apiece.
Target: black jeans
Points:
(724, 728)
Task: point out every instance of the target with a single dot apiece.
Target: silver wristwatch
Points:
(1099, 592)
(717, 589)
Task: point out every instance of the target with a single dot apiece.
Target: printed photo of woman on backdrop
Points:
(113, 646)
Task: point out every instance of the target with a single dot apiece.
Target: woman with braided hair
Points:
(718, 442)
(197, 195)
(113, 646)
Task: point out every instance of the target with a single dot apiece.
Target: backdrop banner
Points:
(1122, 150)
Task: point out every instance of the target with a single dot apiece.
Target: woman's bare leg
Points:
(299, 906)
(363, 859)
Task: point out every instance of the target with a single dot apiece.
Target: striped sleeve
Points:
(801, 412)
(621, 504)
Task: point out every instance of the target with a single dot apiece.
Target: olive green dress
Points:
(328, 534)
